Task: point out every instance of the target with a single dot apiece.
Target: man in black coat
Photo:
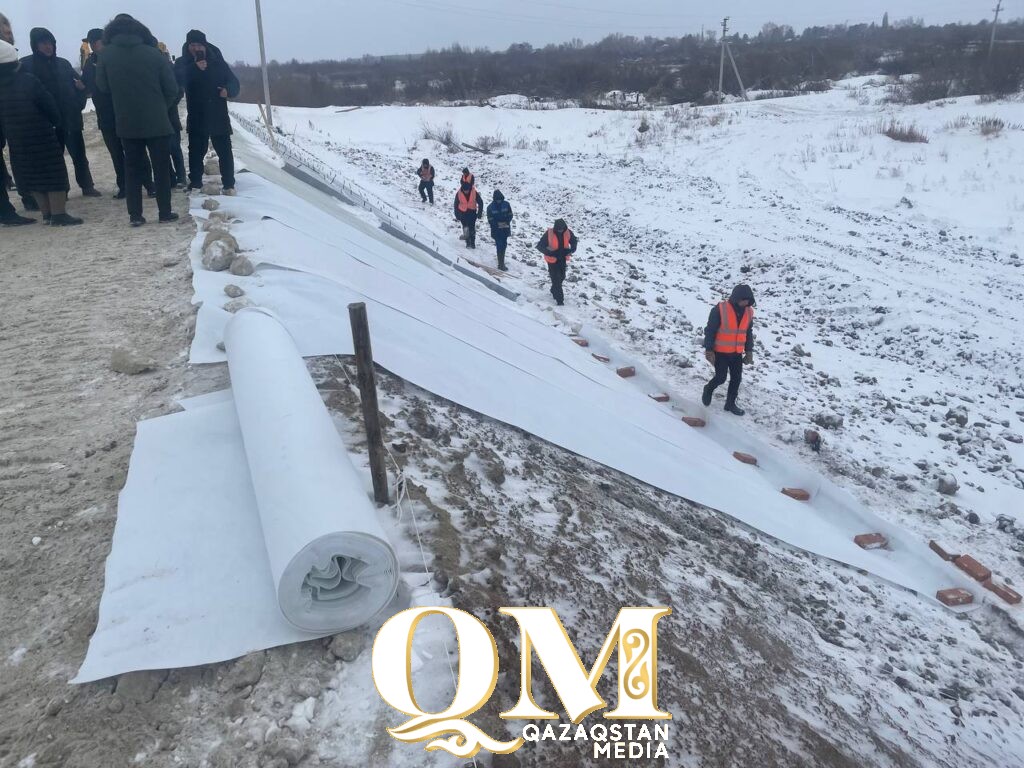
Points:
(209, 83)
(558, 245)
(58, 77)
(103, 103)
(729, 344)
(469, 206)
(141, 82)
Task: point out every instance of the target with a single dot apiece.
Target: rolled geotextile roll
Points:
(332, 565)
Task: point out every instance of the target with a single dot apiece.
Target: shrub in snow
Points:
(898, 131)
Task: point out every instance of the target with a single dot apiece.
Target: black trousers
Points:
(500, 244)
(178, 173)
(469, 228)
(135, 164)
(116, 150)
(557, 273)
(74, 143)
(727, 365)
(6, 209)
(198, 143)
(427, 191)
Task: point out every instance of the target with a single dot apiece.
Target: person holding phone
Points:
(208, 83)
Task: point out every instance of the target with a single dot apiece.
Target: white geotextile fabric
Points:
(454, 338)
(242, 525)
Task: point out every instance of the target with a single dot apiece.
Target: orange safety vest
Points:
(425, 172)
(553, 244)
(467, 178)
(731, 338)
(467, 202)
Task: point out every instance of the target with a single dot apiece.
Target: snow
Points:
(896, 266)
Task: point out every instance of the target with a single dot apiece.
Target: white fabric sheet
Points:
(217, 532)
(457, 340)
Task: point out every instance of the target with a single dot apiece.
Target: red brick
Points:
(661, 397)
(1003, 591)
(938, 550)
(602, 358)
(746, 458)
(693, 421)
(797, 493)
(973, 568)
(870, 541)
(954, 596)
(581, 342)
(626, 372)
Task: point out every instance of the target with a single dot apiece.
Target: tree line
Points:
(950, 60)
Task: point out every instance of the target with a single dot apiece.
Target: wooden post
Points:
(368, 396)
(721, 63)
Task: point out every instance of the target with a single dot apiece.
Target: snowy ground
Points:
(888, 273)
(772, 657)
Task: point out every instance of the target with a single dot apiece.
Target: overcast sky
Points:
(320, 29)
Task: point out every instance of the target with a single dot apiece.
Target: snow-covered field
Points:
(887, 276)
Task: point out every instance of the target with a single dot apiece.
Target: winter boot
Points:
(706, 395)
(91, 192)
(735, 409)
(14, 220)
(501, 262)
(63, 220)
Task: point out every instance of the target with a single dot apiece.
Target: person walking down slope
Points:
(426, 175)
(469, 207)
(103, 103)
(467, 178)
(28, 117)
(499, 216)
(557, 244)
(141, 84)
(69, 93)
(209, 83)
(729, 344)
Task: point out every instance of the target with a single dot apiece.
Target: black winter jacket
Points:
(58, 76)
(561, 254)
(28, 116)
(499, 213)
(715, 319)
(470, 215)
(207, 109)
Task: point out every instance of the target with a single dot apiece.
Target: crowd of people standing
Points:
(135, 89)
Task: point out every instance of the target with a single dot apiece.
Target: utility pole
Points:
(736, 71)
(995, 21)
(721, 63)
(263, 64)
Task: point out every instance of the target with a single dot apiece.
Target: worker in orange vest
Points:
(729, 344)
(557, 244)
(469, 206)
(467, 177)
(426, 175)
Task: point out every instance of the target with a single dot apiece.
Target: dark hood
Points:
(124, 30)
(41, 35)
(212, 52)
(498, 197)
(742, 291)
